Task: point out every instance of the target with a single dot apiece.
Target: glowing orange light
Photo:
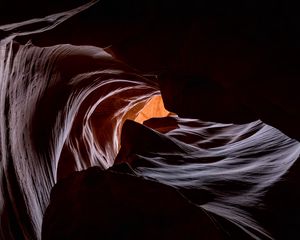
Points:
(154, 108)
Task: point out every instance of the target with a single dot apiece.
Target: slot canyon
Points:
(151, 119)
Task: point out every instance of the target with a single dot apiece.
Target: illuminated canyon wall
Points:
(88, 150)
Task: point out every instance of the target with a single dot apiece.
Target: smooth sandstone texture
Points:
(219, 62)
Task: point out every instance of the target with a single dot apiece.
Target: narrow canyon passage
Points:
(96, 144)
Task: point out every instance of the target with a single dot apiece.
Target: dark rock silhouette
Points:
(96, 204)
(222, 165)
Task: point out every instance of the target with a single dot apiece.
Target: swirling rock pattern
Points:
(210, 169)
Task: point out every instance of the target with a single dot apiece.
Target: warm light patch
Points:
(154, 108)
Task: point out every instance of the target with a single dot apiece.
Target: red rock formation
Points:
(68, 108)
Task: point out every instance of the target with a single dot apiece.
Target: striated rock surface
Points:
(221, 165)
